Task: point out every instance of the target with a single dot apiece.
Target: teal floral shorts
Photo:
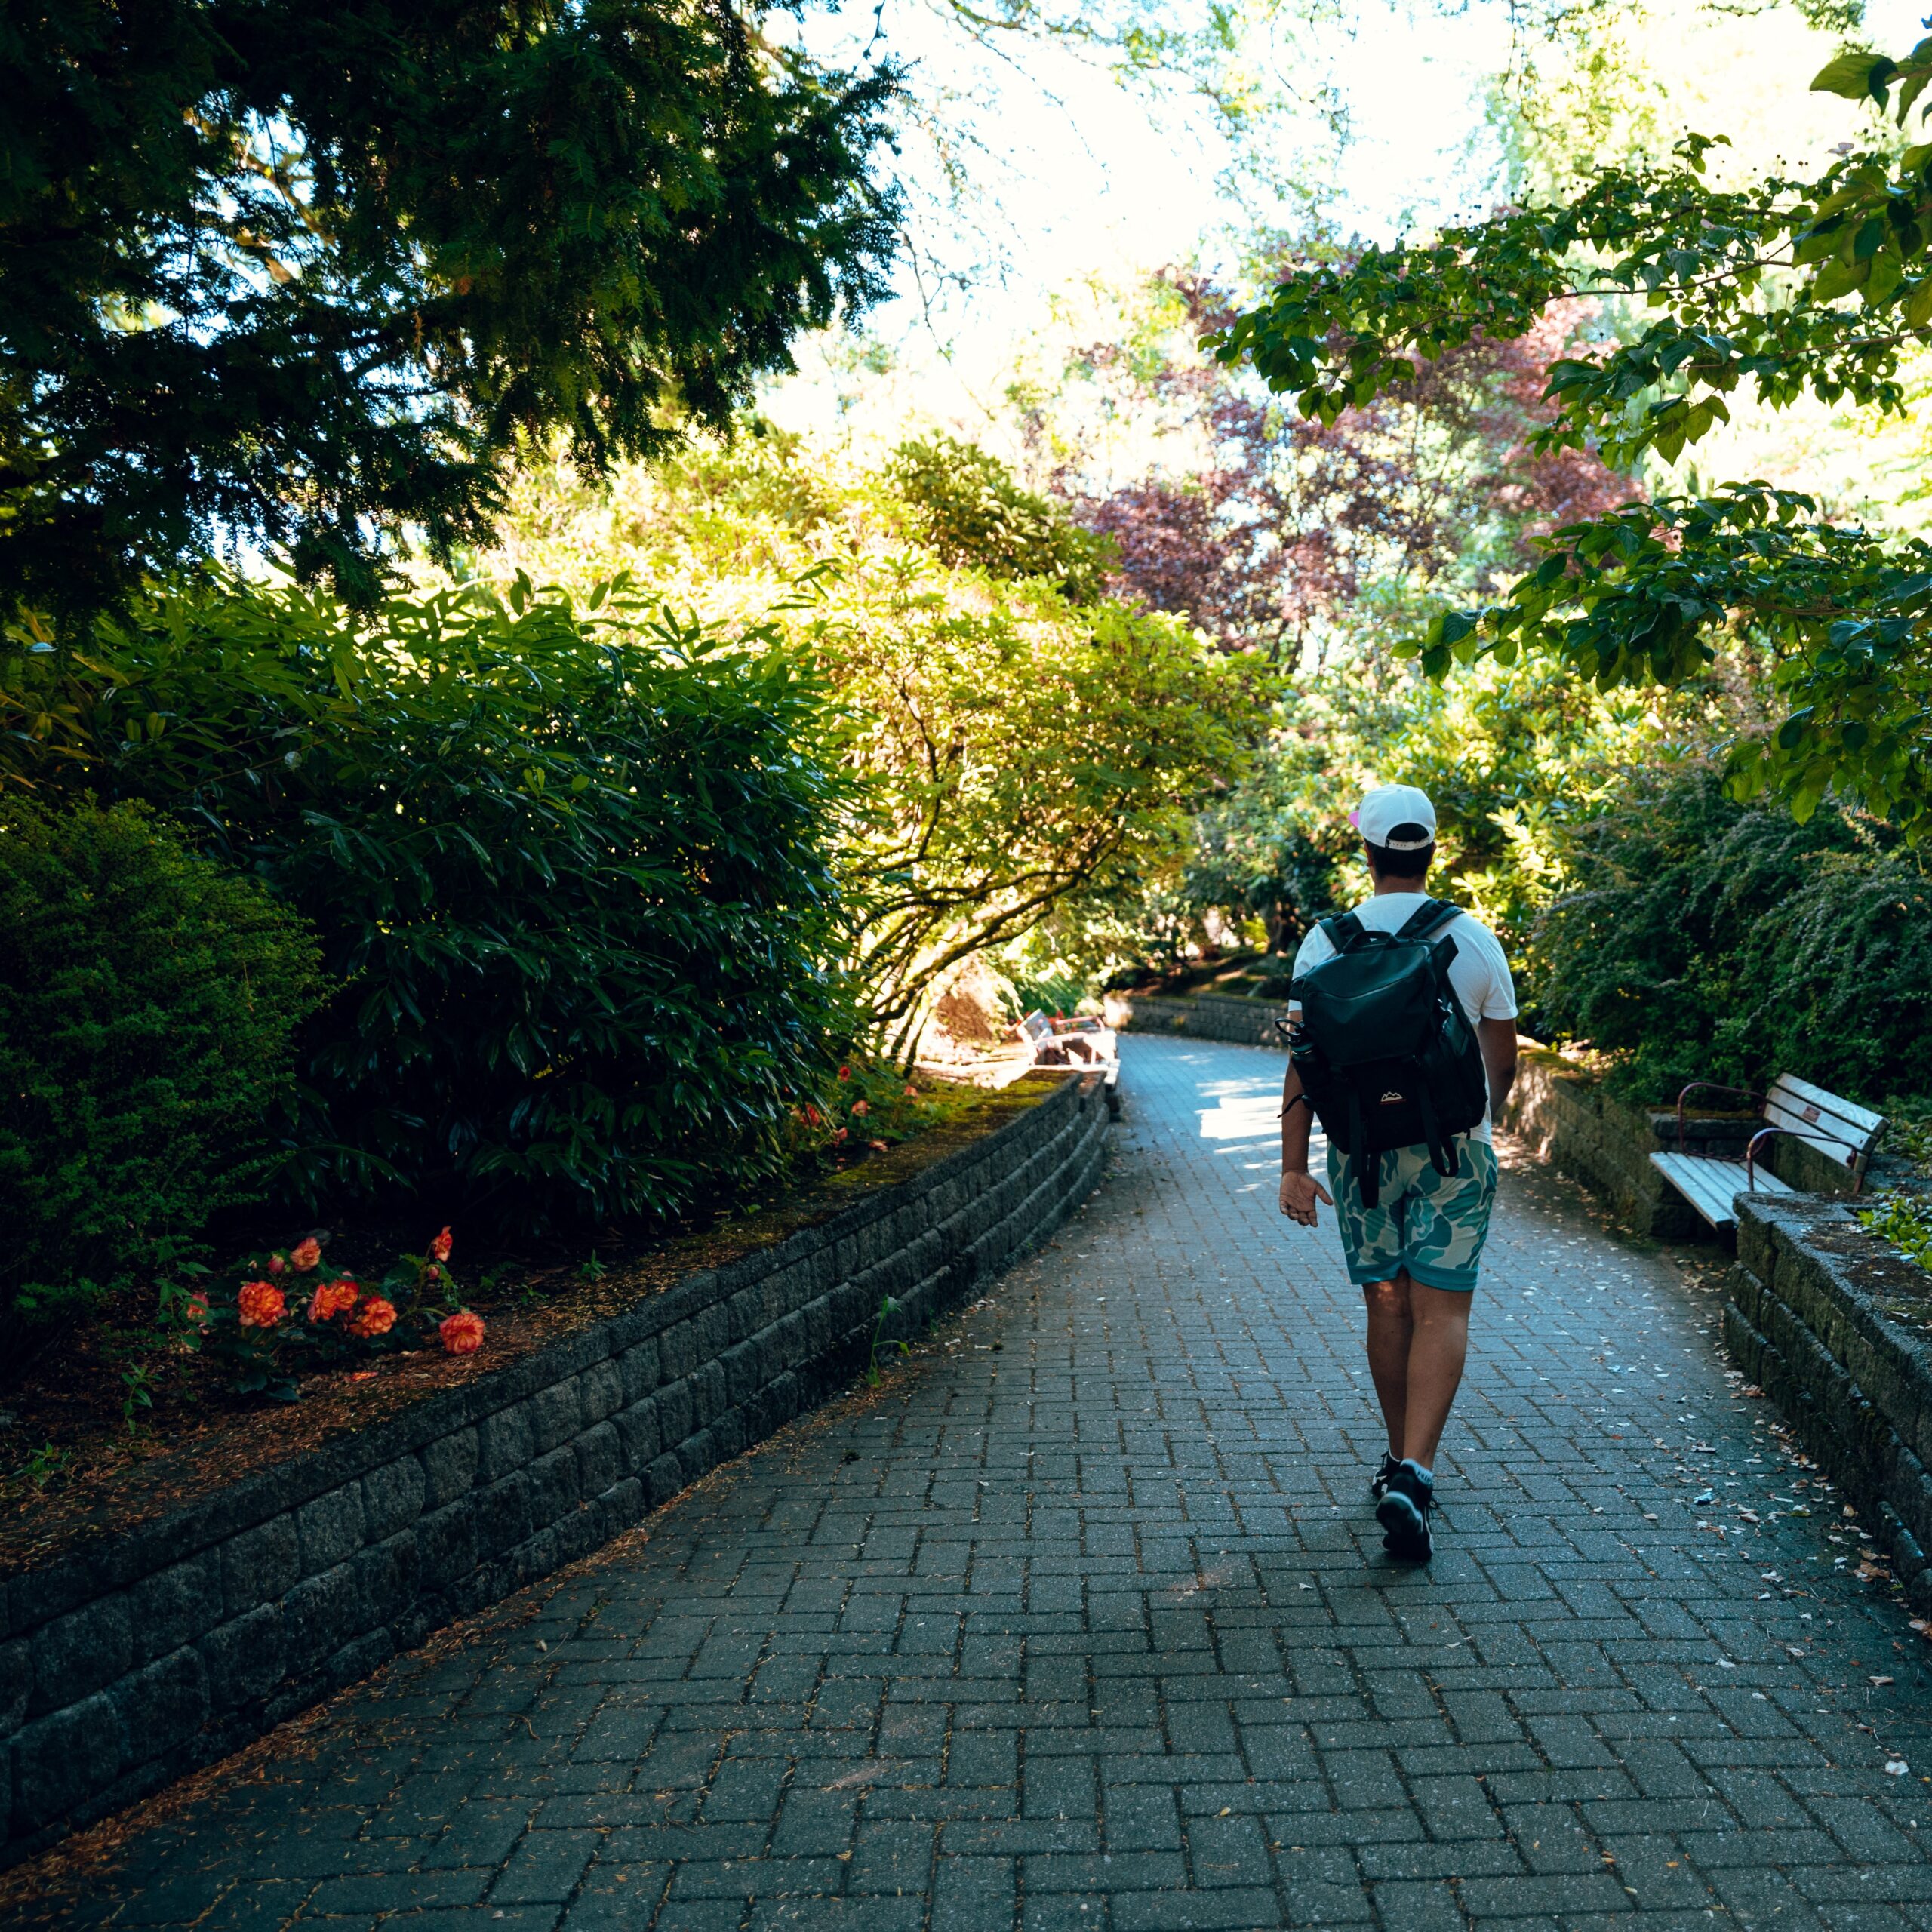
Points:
(1430, 1226)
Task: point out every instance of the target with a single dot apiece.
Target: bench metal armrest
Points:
(1711, 1087)
(1856, 1165)
(1758, 1140)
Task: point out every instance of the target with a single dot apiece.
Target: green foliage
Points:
(308, 275)
(570, 876)
(1905, 1221)
(1709, 940)
(1022, 751)
(969, 509)
(1339, 336)
(888, 1307)
(1049, 991)
(44, 1465)
(1910, 1132)
(1515, 759)
(1634, 599)
(1746, 286)
(148, 1004)
(1013, 749)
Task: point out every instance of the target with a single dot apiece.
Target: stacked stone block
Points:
(1833, 1328)
(139, 1656)
(1223, 1016)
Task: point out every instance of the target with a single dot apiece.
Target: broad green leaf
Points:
(1837, 277)
(1888, 271)
(1849, 75)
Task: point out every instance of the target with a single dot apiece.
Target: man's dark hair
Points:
(1386, 862)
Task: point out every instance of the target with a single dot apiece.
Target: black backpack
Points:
(1385, 1052)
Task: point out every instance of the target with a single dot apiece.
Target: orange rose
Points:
(461, 1332)
(276, 1264)
(439, 1248)
(332, 1298)
(260, 1304)
(860, 1110)
(306, 1253)
(375, 1317)
(197, 1308)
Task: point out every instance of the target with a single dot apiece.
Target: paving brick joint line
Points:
(1082, 1621)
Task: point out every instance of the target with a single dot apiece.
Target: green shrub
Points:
(573, 885)
(148, 1000)
(1711, 940)
(968, 506)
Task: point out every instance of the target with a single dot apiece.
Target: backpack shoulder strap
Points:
(1429, 919)
(1344, 930)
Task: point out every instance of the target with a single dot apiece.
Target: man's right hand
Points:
(1299, 1191)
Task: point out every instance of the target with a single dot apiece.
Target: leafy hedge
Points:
(570, 881)
(148, 1001)
(1707, 940)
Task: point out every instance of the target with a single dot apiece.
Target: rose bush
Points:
(263, 1345)
(870, 1105)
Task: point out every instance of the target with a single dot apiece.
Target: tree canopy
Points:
(300, 278)
(1786, 285)
(1011, 748)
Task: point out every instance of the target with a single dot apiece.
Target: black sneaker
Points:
(1403, 1513)
(1378, 1486)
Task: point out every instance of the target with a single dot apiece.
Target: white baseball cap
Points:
(1391, 809)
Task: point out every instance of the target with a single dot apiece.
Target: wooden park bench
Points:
(1083, 1040)
(1839, 1130)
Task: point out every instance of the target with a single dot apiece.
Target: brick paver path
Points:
(1084, 1622)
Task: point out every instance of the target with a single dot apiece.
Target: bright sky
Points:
(1097, 181)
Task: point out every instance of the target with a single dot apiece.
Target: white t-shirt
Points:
(1479, 973)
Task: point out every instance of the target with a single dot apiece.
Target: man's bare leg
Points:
(1391, 1338)
(1418, 1340)
(1439, 1342)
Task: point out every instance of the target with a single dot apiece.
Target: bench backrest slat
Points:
(1840, 1131)
(1848, 1112)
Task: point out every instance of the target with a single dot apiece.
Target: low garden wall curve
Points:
(1238, 1021)
(143, 1655)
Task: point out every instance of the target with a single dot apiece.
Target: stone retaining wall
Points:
(1562, 1114)
(1241, 1022)
(1832, 1325)
(144, 1655)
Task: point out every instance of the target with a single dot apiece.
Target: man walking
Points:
(1413, 1218)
